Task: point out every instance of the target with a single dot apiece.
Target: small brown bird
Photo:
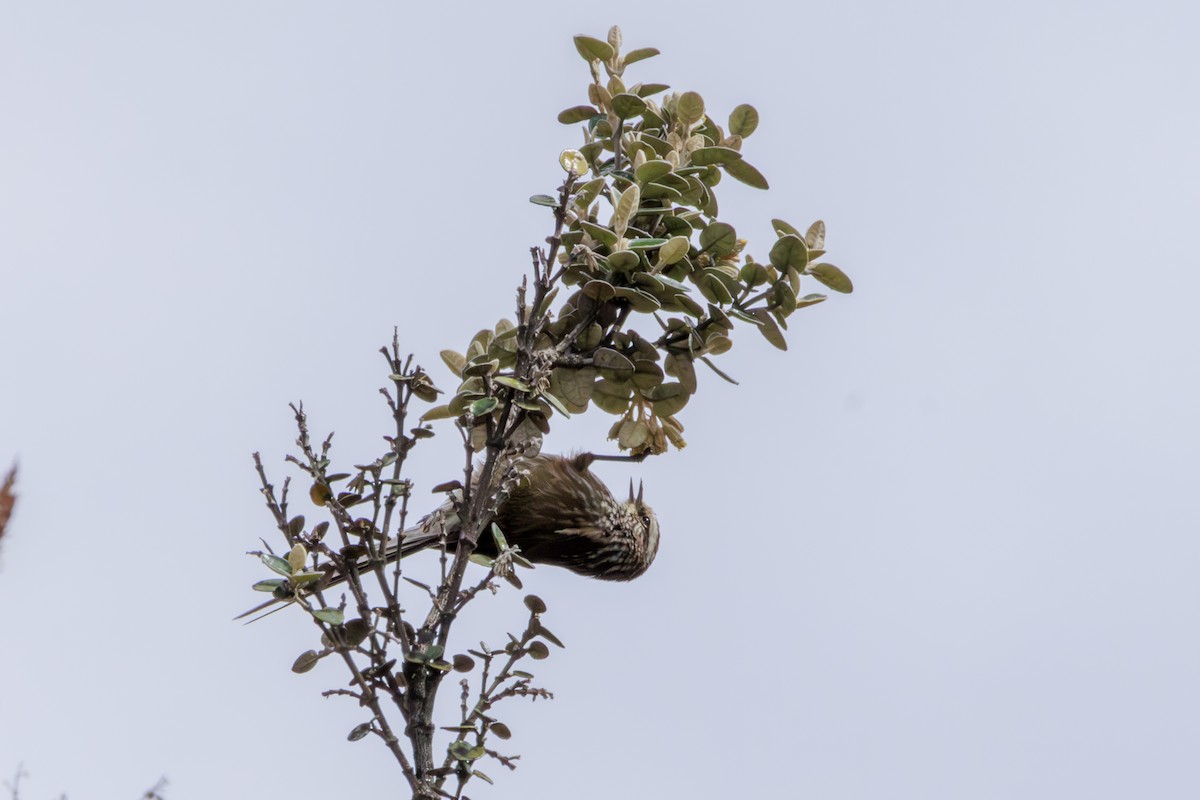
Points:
(561, 514)
(558, 513)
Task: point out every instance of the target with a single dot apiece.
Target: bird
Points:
(558, 513)
(561, 514)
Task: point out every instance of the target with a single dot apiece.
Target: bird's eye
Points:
(646, 520)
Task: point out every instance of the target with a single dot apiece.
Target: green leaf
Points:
(484, 406)
(574, 386)
(623, 261)
(600, 233)
(689, 306)
(789, 251)
(541, 630)
(810, 300)
(332, 616)
(642, 302)
(498, 537)
(640, 54)
(454, 360)
(544, 200)
(783, 229)
(570, 116)
(513, 383)
(269, 585)
(556, 403)
(679, 365)
(669, 399)
(482, 560)
(815, 238)
(627, 105)
(632, 434)
(719, 237)
(437, 412)
(647, 89)
(276, 564)
(716, 344)
(538, 650)
(714, 155)
(297, 556)
(360, 730)
(612, 397)
(652, 170)
(783, 297)
(646, 244)
(714, 289)
(535, 604)
(608, 359)
(614, 38)
(593, 49)
(598, 290)
(572, 161)
(743, 120)
(769, 329)
(690, 108)
(753, 274)
(305, 661)
(832, 277)
(670, 253)
(655, 191)
(481, 365)
(745, 172)
(482, 776)
(627, 206)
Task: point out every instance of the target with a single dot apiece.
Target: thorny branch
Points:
(349, 549)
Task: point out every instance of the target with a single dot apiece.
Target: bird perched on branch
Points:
(558, 513)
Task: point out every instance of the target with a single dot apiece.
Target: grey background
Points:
(945, 547)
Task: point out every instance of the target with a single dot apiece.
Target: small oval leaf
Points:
(484, 406)
(745, 172)
(832, 277)
(332, 616)
(690, 107)
(593, 49)
(719, 237)
(569, 116)
(627, 105)
(305, 661)
(276, 564)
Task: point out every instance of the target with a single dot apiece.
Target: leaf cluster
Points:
(638, 238)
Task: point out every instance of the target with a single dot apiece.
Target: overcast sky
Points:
(944, 547)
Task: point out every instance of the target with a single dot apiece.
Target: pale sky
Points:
(945, 547)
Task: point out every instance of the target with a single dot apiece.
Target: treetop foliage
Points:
(659, 282)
